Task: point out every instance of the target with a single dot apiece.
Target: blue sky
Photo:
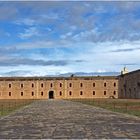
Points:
(55, 37)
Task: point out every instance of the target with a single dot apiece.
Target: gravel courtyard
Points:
(65, 119)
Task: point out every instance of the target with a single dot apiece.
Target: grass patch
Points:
(8, 106)
(128, 106)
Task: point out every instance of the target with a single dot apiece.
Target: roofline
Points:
(59, 78)
(132, 72)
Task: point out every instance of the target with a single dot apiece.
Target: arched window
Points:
(51, 85)
(9, 93)
(70, 93)
(60, 84)
(21, 85)
(60, 93)
(21, 93)
(32, 93)
(70, 84)
(32, 85)
(9, 85)
(42, 85)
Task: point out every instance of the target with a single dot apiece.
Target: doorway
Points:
(51, 94)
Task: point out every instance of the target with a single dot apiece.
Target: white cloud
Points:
(86, 34)
(104, 56)
(25, 21)
(28, 33)
(50, 16)
(66, 35)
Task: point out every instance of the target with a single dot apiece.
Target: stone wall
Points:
(129, 85)
(59, 88)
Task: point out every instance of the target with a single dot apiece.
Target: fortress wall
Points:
(129, 85)
(123, 86)
(63, 88)
(92, 91)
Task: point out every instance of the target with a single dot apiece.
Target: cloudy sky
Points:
(42, 38)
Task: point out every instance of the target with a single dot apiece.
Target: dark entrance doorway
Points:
(51, 94)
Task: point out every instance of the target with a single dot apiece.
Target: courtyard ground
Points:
(67, 119)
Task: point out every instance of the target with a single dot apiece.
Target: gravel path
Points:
(65, 119)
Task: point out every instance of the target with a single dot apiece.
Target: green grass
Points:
(8, 106)
(130, 106)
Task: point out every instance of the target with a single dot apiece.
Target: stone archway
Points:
(51, 94)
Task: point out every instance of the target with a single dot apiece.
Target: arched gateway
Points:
(51, 94)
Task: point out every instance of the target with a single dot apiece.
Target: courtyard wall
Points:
(61, 87)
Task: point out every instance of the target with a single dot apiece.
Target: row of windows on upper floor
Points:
(61, 85)
(60, 93)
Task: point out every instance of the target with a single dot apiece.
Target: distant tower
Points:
(72, 75)
(124, 71)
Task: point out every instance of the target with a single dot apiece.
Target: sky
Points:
(56, 37)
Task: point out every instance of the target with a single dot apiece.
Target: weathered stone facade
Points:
(123, 86)
(58, 87)
(129, 85)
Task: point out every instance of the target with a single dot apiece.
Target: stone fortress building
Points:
(126, 85)
(129, 85)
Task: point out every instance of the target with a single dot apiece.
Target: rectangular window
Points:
(93, 92)
(114, 84)
(81, 92)
(93, 84)
(114, 92)
(9, 93)
(81, 84)
(60, 93)
(41, 93)
(104, 84)
(104, 92)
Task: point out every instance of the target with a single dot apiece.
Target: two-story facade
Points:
(58, 87)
